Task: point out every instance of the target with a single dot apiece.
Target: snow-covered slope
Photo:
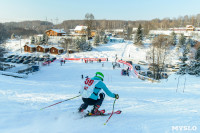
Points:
(146, 107)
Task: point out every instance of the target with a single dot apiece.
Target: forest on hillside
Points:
(28, 28)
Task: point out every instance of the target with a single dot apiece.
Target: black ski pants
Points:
(89, 101)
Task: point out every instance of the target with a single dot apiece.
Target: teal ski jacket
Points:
(98, 87)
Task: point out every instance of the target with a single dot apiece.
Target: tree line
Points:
(39, 27)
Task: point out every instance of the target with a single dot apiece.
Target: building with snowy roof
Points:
(81, 30)
(55, 32)
(29, 48)
(43, 48)
(56, 50)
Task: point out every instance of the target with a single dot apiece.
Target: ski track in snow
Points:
(146, 107)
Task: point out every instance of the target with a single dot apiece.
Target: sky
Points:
(58, 10)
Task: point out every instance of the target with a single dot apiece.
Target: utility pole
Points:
(20, 44)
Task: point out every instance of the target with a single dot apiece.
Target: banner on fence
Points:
(90, 59)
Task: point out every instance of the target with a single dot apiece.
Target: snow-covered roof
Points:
(30, 45)
(59, 48)
(79, 28)
(59, 31)
(44, 46)
(189, 26)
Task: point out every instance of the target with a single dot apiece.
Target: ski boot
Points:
(82, 107)
(95, 110)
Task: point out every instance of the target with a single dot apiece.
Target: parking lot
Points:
(145, 69)
(22, 63)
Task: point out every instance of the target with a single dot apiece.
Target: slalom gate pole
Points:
(111, 113)
(60, 102)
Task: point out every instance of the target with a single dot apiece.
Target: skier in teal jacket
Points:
(91, 93)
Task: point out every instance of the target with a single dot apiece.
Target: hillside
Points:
(146, 107)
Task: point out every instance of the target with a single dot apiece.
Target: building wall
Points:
(53, 50)
(53, 33)
(40, 49)
(80, 32)
(27, 49)
(93, 33)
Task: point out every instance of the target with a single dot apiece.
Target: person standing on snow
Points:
(91, 91)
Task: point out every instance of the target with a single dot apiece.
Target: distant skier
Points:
(91, 91)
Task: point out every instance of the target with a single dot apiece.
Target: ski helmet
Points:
(100, 75)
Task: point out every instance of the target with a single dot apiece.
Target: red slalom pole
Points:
(60, 102)
(111, 113)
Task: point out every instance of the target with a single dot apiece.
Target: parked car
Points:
(23, 57)
(156, 76)
(27, 61)
(18, 57)
(33, 58)
(10, 56)
(8, 60)
(142, 73)
(130, 62)
(13, 60)
(47, 56)
(41, 59)
(2, 59)
(15, 56)
(142, 63)
(175, 69)
(27, 57)
(19, 61)
(137, 67)
(54, 58)
(46, 59)
(169, 66)
(37, 58)
(149, 73)
(164, 75)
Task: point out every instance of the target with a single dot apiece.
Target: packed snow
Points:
(147, 107)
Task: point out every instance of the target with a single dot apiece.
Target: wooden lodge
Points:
(81, 31)
(55, 32)
(29, 48)
(56, 50)
(42, 48)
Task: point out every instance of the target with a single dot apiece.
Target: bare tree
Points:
(158, 55)
(89, 19)
(66, 43)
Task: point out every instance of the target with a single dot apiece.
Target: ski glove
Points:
(116, 96)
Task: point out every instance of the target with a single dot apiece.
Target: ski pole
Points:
(60, 102)
(111, 113)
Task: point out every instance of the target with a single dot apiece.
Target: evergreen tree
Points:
(173, 38)
(83, 43)
(40, 41)
(184, 58)
(197, 55)
(32, 40)
(44, 39)
(181, 42)
(139, 36)
(96, 40)
(105, 39)
(77, 44)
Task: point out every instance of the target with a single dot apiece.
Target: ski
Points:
(104, 114)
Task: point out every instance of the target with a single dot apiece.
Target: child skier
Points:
(91, 91)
